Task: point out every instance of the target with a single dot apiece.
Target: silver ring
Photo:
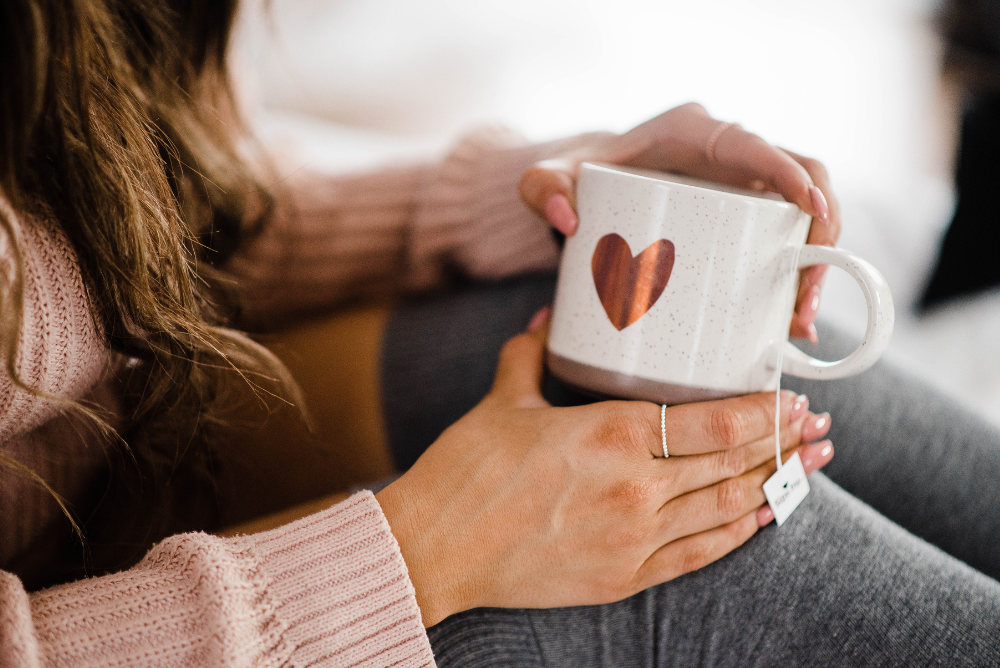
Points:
(714, 137)
(663, 429)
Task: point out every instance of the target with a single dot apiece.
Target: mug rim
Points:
(670, 177)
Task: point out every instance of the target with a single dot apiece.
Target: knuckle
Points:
(634, 493)
(739, 532)
(725, 426)
(622, 426)
(733, 463)
(689, 107)
(791, 435)
(731, 498)
(814, 167)
(696, 556)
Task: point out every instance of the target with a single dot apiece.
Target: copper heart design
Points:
(629, 286)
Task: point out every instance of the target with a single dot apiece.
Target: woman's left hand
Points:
(689, 141)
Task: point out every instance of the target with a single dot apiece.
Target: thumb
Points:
(522, 363)
(547, 187)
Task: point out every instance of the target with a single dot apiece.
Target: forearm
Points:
(337, 236)
(332, 237)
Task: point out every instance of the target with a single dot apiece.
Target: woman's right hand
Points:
(687, 140)
(520, 504)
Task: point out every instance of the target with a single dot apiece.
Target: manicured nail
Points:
(812, 300)
(813, 334)
(799, 408)
(539, 318)
(809, 307)
(817, 455)
(764, 515)
(816, 427)
(561, 214)
(819, 203)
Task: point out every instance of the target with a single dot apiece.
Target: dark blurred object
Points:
(971, 29)
(968, 262)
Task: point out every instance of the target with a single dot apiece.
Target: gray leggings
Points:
(893, 559)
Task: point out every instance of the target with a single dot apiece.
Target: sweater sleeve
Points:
(335, 236)
(328, 590)
(59, 350)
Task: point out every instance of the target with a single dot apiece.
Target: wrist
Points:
(433, 586)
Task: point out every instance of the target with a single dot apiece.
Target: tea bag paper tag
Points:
(787, 488)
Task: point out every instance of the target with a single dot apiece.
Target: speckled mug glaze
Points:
(721, 323)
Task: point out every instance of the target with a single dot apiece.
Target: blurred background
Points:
(858, 84)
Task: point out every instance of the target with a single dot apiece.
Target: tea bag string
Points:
(777, 392)
(777, 413)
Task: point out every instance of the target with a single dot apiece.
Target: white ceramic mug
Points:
(675, 290)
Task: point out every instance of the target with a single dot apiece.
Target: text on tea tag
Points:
(787, 488)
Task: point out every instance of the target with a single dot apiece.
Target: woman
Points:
(132, 238)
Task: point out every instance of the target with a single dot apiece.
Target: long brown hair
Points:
(117, 121)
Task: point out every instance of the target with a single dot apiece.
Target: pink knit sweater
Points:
(330, 589)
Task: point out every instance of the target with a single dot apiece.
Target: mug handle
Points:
(881, 317)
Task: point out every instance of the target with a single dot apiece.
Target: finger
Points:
(744, 157)
(683, 475)
(814, 457)
(810, 279)
(694, 552)
(825, 235)
(726, 501)
(815, 428)
(724, 424)
(547, 187)
(807, 305)
(518, 377)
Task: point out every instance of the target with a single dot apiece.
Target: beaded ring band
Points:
(663, 429)
(714, 137)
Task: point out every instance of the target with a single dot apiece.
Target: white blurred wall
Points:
(843, 79)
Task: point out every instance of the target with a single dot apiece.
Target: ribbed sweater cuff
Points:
(471, 215)
(341, 585)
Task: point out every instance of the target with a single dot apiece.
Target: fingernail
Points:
(807, 312)
(817, 455)
(812, 300)
(813, 334)
(819, 203)
(815, 427)
(799, 407)
(561, 214)
(764, 516)
(538, 319)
